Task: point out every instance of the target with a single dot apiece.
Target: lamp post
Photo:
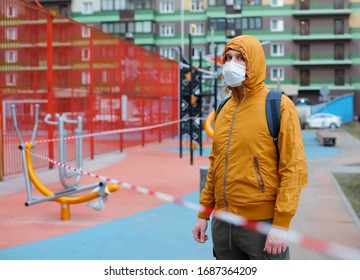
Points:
(182, 25)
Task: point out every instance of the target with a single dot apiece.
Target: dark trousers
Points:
(237, 243)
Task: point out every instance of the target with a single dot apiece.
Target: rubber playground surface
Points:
(138, 226)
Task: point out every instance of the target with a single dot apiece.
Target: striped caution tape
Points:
(116, 131)
(329, 248)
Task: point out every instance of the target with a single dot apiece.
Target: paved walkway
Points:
(137, 226)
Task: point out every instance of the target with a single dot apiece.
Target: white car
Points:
(323, 120)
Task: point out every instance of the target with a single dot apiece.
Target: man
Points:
(248, 176)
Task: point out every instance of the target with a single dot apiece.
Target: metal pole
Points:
(92, 95)
(190, 104)
(215, 80)
(200, 108)
(180, 101)
(50, 82)
(182, 25)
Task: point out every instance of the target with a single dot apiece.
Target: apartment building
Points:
(308, 43)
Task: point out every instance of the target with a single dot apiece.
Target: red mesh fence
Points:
(74, 70)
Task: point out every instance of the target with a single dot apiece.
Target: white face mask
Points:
(234, 74)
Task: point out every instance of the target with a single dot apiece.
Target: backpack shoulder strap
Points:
(273, 100)
(222, 103)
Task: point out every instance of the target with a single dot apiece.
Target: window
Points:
(277, 49)
(277, 3)
(11, 79)
(33, 57)
(304, 4)
(64, 10)
(197, 5)
(304, 27)
(142, 4)
(11, 12)
(107, 5)
(249, 23)
(62, 58)
(197, 29)
(85, 54)
(87, 8)
(167, 52)
(120, 5)
(143, 27)
(197, 50)
(11, 56)
(338, 4)
(254, 23)
(85, 77)
(85, 31)
(166, 7)
(276, 72)
(167, 29)
(107, 51)
(338, 26)
(11, 33)
(216, 2)
(233, 23)
(63, 34)
(277, 25)
(304, 77)
(217, 24)
(220, 47)
(339, 77)
(34, 35)
(104, 76)
(114, 27)
(339, 52)
(304, 52)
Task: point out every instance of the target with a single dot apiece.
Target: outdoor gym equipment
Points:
(63, 173)
(65, 198)
(208, 124)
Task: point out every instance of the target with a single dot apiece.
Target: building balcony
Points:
(315, 84)
(217, 36)
(144, 14)
(322, 9)
(322, 34)
(317, 59)
(216, 12)
(145, 38)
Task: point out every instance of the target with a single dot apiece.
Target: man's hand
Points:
(199, 230)
(276, 241)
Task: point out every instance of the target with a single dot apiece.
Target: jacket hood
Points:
(253, 53)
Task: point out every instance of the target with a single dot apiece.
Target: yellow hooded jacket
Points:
(245, 175)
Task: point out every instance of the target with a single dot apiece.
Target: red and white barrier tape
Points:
(329, 248)
(116, 131)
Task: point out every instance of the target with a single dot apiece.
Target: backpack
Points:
(272, 108)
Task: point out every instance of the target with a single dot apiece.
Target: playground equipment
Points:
(63, 173)
(64, 198)
(208, 124)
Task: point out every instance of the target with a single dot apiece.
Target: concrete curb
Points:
(348, 205)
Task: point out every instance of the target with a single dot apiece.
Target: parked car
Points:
(323, 120)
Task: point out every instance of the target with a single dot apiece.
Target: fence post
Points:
(92, 97)
(50, 82)
(120, 94)
(1, 137)
(142, 93)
